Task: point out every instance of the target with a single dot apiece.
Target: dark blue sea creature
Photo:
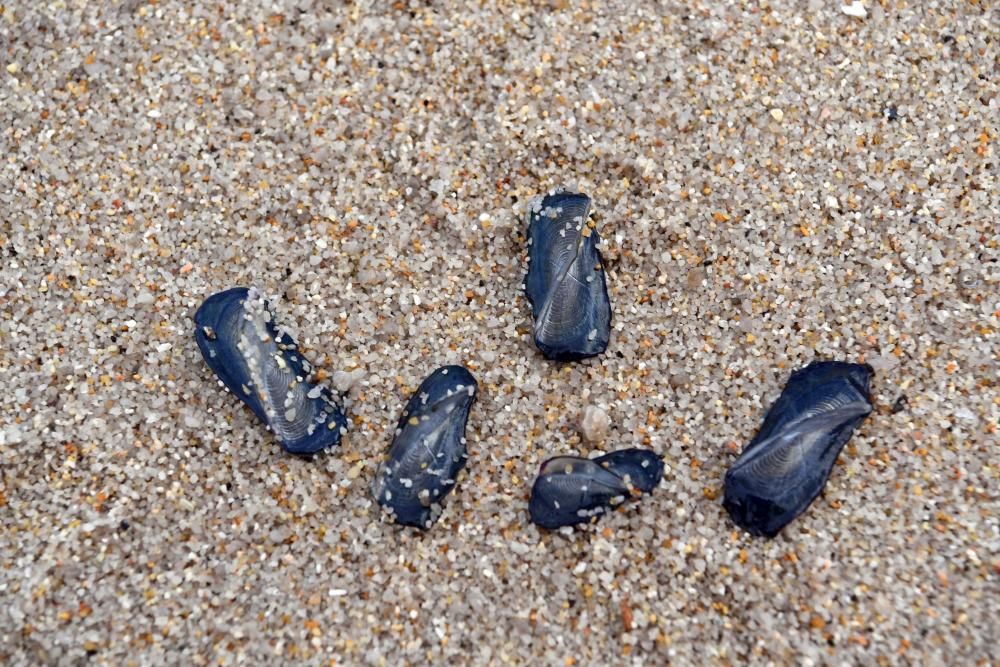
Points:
(787, 464)
(263, 367)
(573, 489)
(428, 449)
(565, 282)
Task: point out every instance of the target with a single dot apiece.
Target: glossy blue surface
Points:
(786, 465)
(572, 489)
(565, 282)
(642, 468)
(262, 366)
(428, 449)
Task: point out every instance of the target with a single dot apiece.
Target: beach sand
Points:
(774, 183)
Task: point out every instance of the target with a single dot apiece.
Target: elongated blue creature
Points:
(428, 449)
(565, 282)
(262, 366)
(786, 465)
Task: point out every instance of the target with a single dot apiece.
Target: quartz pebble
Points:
(855, 9)
(594, 424)
(344, 381)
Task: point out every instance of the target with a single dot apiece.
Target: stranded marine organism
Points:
(428, 449)
(565, 282)
(787, 463)
(262, 365)
(573, 489)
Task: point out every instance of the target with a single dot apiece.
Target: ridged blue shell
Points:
(572, 489)
(428, 450)
(786, 465)
(261, 365)
(565, 282)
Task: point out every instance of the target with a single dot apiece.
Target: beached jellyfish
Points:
(565, 282)
(572, 489)
(262, 366)
(428, 449)
(787, 463)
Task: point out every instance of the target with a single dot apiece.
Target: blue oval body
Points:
(565, 282)
(428, 449)
(786, 465)
(572, 489)
(261, 365)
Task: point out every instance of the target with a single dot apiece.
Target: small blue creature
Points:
(263, 367)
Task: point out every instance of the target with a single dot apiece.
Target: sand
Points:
(774, 183)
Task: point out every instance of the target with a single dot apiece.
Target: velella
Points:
(428, 449)
(572, 489)
(786, 465)
(565, 282)
(261, 365)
